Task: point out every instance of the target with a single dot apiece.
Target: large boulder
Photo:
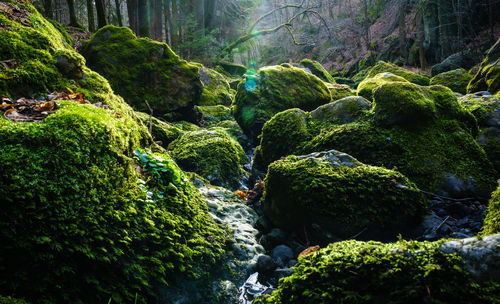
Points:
(456, 80)
(213, 154)
(486, 109)
(84, 219)
(216, 90)
(400, 272)
(460, 60)
(488, 76)
(422, 131)
(365, 88)
(333, 196)
(162, 132)
(274, 89)
(382, 67)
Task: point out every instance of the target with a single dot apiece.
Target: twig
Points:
(358, 234)
(442, 223)
(150, 118)
(448, 198)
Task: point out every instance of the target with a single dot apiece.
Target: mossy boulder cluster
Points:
(142, 70)
(274, 89)
(333, 196)
(365, 88)
(385, 67)
(456, 80)
(492, 220)
(317, 69)
(89, 215)
(400, 272)
(488, 76)
(213, 154)
(422, 131)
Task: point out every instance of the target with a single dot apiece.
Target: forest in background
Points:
(344, 35)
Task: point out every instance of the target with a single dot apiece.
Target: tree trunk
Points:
(402, 30)
(143, 14)
(90, 16)
(48, 7)
(420, 38)
(210, 11)
(72, 13)
(168, 21)
(132, 15)
(431, 30)
(118, 13)
(174, 29)
(156, 18)
(101, 13)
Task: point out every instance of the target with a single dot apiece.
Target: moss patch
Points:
(141, 69)
(366, 87)
(216, 90)
(213, 154)
(340, 91)
(488, 76)
(456, 80)
(317, 69)
(334, 201)
(372, 272)
(382, 67)
(274, 89)
(161, 130)
(210, 116)
(492, 220)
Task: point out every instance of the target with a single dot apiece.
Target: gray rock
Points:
(342, 111)
(481, 255)
(282, 253)
(456, 187)
(334, 158)
(265, 264)
(275, 237)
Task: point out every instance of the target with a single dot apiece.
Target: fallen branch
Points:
(150, 118)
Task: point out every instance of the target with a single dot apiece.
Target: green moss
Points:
(372, 272)
(274, 89)
(10, 300)
(317, 69)
(212, 154)
(209, 116)
(456, 80)
(382, 67)
(340, 91)
(233, 69)
(67, 38)
(366, 87)
(233, 128)
(422, 131)
(76, 209)
(161, 130)
(141, 69)
(492, 220)
(216, 90)
(186, 126)
(488, 76)
(334, 201)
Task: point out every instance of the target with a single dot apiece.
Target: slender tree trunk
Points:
(101, 13)
(48, 7)
(175, 29)
(156, 18)
(90, 15)
(132, 15)
(402, 30)
(168, 21)
(420, 38)
(118, 13)
(72, 13)
(143, 14)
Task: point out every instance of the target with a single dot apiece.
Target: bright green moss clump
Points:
(274, 89)
(373, 272)
(340, 91)
(161, 130)
(213, 154)
(456, 80)
(422, 131)
(209, 116)
(334, 197)
(75, 209)
(141, 69)
(382, 67)
(317, 69)
(365, 88)
(216, 90)
(492, 220)
(488, 76)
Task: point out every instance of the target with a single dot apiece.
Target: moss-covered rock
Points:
(79, 223)
(210, 116)
(382, 67)
(492, 220)
(422, 131)
(140, 69)
(232, 68)
(11, 300)
(213, 154)
(162, 131)
(216, 90)
(342, 111)
(365, 88)
(333, 196)
(373, 272)
(274, 89)
(486, 109)
(488, 76)
(340, 91)
(317, 69)
(464, 60)
(456, 80)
